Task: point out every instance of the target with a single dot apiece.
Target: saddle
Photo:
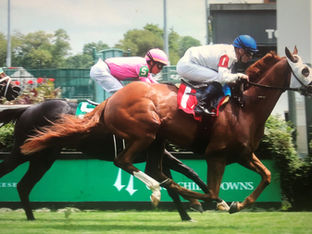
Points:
(207, 99)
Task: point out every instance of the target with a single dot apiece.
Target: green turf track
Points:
(156, 222)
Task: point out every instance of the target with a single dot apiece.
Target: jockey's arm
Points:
(148, 79)
(226, 77)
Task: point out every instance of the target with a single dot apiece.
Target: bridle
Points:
(304, 89)
(8, 80)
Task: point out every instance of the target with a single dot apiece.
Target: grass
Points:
(155, 222)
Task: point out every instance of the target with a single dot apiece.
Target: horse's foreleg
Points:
(35, 172)
(175, 164)
(186, 193)
(216, 167)
(175, 197)
(256, 165)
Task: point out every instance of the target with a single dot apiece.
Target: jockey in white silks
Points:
(213, 64)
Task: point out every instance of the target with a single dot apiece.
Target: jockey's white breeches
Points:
(195, 72)
(101, 74)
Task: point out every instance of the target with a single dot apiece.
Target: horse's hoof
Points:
(190, 220)
(155, 197)
(31, 218)
(233, 208)
(186, 218)
(197, 207)
(154, 200)
(223, 206)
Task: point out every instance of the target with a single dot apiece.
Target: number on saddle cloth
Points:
(84, 108)
(208, 95)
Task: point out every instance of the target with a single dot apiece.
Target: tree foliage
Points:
(86, 59)
(3, 45)
(187, 42)
(139, 41)
(40, 49)
(89, 48)
(52, 50)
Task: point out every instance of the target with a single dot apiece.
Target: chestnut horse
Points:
(147, 115)
(103, 147)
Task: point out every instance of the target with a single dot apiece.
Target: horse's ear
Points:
(295, 50)
(289, 55)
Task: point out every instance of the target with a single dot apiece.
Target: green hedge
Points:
(295, 172)
(6, 137)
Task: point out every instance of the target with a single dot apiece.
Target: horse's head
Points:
(301, 76)
(7, 89)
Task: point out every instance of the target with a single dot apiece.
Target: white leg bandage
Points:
(149, 181)
(152, 184)
(223, 206)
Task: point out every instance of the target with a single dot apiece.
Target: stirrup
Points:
(206, 111)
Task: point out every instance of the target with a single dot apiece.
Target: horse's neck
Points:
(260, 101)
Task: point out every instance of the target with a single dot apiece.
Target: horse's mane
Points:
(257, 69)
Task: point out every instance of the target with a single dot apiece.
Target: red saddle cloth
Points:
(187, 101)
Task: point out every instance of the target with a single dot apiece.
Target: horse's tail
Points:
(67, 131)
(11, 115)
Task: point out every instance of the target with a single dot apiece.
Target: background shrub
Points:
(6, 137)
(295, 172)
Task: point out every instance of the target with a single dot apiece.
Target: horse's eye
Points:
(305, 71)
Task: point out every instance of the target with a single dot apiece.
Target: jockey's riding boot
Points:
(206, 99)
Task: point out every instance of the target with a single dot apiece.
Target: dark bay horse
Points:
(147, 115)
(99, 146)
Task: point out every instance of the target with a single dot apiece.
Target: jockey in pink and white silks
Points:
(110, 72)
(213, 64)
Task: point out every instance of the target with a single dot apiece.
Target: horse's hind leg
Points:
(13, 160)
(8, 165)
(37, 168)
(124, 161)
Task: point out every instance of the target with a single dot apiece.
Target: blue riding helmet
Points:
(247, 43)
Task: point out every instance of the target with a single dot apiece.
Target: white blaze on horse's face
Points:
(301, 75)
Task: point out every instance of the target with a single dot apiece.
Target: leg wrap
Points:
(165, 183)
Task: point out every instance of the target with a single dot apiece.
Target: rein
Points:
(303, 90)
(271, 87)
